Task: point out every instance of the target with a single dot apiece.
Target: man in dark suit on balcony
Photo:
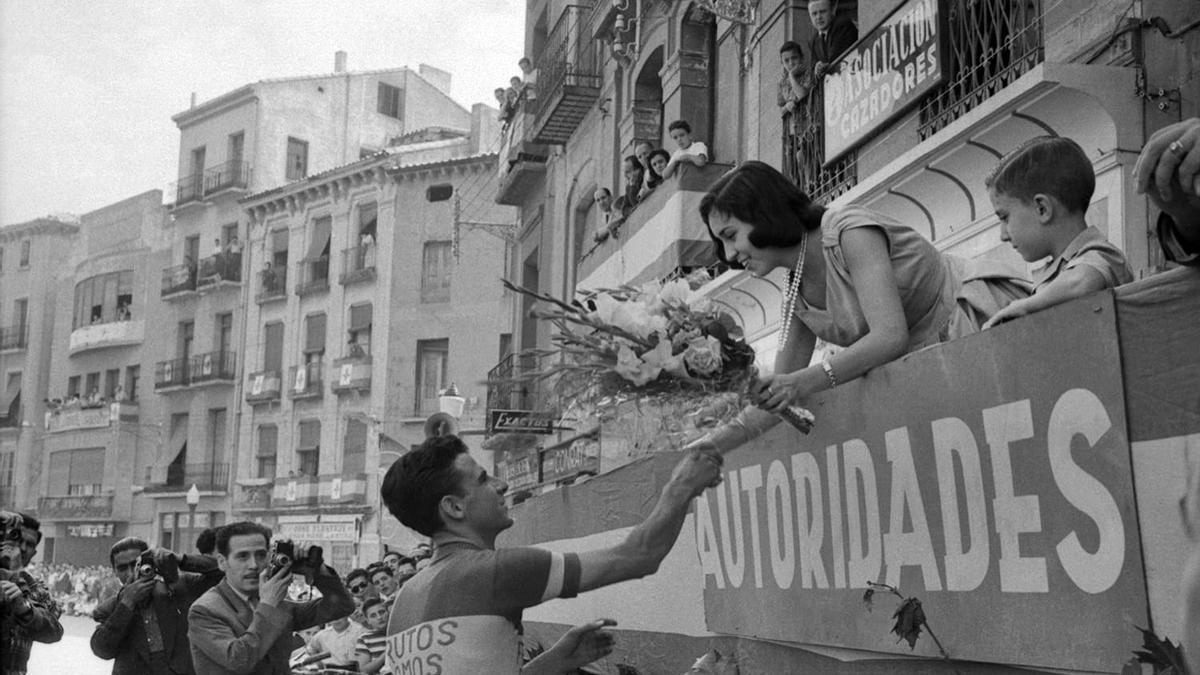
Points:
(834, 35)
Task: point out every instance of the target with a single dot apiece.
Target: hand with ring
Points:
(1168, 171)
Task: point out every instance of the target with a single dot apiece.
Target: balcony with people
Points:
(358, 262)
(222, 269)
(94, 411)
(103, 313)
(272, 284)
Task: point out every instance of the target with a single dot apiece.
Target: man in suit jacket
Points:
(244, 624)
(144, 627)
(833, 35)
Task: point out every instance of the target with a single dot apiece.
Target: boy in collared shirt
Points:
(1041, 193)
(693, 151)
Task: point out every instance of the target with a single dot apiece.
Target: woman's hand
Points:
(774, 393)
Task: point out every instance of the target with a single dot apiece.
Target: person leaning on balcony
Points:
(635, 177)
(474, 594)
(858, 279)
(530, 75)
(1168, 171)
(244, 624)
(143, 629)
(794, 84)
(833, 34)
(687, 149)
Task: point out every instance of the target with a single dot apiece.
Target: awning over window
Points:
(10, 402)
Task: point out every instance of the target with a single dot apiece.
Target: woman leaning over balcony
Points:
(857, 279)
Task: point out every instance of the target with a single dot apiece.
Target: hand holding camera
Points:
(306, 560)
(13, 599)
(136, 593)
(273, 584)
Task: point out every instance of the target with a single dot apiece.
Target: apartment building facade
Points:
(27, 316)
(261, 135)
(386, 304)
(985, 77)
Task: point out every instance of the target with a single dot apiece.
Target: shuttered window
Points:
(314, 334)
(355, 444)
(273, 347)
(360, 317)
(268, 444)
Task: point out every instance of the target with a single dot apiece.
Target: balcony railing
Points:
(263, 386)
(187, 189)
(352, 373)
(212, 367)
(507, 387)
(118, 333)
(358, 264)
(253, 496)
(272, 284)
(170, 374)
(226, 176)
(570, 72)
(522, 161)
(221, 267)
(13, 337)
(306, 381)
(990, 43)
(208, 476)
(313, 276)
(76, 508)
(804, 153)
(178, 280)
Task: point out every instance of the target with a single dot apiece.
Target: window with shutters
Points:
(308, 450)
(433, 357)
(354, 461)
(436, 264)
(359, 331)
(391, 101)
(297, 159)
(25, 253)
(76, 472)
(267, 450)
(314, 338)
(273, 347)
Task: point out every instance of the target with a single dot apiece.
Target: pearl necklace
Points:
(793, 291)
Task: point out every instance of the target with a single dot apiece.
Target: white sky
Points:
(88, 87)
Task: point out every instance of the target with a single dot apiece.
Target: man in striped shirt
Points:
(462, 614)
(371, 645)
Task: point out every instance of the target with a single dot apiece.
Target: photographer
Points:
(27, 612)
(244, 624)
(144, 628)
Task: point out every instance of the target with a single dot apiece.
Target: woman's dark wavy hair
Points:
(756, 193)
(415, 484)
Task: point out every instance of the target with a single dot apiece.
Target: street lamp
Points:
(445, 422)
(193, 498)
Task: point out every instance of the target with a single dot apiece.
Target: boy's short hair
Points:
(415, 484)
(126, 544)
(207, 541)
(524, 59)
(791, 46)
(238, 529)
(376, 568)
(357, 572)
(679, 124)
(659, 152)
(1049, 165)
(371, 603)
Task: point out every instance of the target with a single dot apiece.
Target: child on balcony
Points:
(689, 150)
(1041, 192)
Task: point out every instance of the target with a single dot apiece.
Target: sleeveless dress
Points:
(943, 296)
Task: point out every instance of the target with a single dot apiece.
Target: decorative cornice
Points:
(37, 227)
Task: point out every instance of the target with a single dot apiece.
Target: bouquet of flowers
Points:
(658, 341)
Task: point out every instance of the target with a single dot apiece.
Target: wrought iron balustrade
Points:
(989, 44)
(178, 279)
(212, 367)
(314, 276)
(226, 266)
(272, 283)
(228, 175)
(173, 373)
(208, 476)
(804, 152)
(358, 264)
(187, 189)
(570, 72)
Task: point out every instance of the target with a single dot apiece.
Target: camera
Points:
(10, 540)
(147, 568)
(305, 560)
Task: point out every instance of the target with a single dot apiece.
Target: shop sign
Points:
(90, 530)
(884, 73)
(318, 531)
(520, 421)
(581, 455)
(519, 470)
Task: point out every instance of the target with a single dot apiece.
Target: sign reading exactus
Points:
(1007, 509)
(882, 74)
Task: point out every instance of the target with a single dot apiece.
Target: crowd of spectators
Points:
(78, 590)
(521, 90)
